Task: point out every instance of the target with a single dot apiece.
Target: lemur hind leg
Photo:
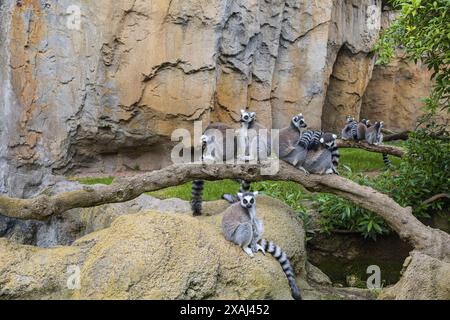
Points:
(243, 237)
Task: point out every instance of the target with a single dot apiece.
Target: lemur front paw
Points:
(249, 252)
(304, 171)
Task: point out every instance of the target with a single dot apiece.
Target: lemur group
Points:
(310, 151)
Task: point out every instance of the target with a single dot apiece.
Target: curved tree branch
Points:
(391, 150)
(400, 219)
(404, 135)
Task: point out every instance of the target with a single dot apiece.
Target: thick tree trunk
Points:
(433, 242)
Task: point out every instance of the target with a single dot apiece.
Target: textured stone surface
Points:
(106, 97)
(425, 278)
(395, 91)
(153, 255)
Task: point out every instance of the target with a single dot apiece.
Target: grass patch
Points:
(91, 181)
(213, 190)
(363, 161)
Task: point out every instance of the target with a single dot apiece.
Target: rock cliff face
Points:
(104, 92)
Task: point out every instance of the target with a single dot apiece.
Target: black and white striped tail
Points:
(354, 128)
(310, 139)
(244, 187)
(197, 192)
(386, 160)
(335, 157)
(282, 258)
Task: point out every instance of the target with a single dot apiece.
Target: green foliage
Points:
(423, 173)
(340, 214)
(423, 31)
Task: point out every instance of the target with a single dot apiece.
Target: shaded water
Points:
(346, 257)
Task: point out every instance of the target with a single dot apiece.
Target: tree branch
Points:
(397, 136)
(391, 150)
(400, 219)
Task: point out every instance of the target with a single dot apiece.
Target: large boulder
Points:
(154, 255)
(424, 278)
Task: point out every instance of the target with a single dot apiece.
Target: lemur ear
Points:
(334, 136)
(300, 114)
(242, 111)
(321, 140)
(253, 114)
(240, 194)
(255, 193)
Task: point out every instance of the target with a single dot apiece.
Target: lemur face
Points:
(328, 139)
(349, 119)
(247, 199)
(247, 117)
(299, 121)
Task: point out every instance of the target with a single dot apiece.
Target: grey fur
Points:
(373, 134)
(241, 226)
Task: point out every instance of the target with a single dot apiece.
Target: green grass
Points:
(213, 190)
(363, 161)
(90, 181)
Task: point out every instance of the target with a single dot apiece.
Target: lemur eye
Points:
(296, 119)
(252, 201)
(245, 201)
(245, 117)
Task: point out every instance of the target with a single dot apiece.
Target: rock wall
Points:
(105, 95)
(395, 91)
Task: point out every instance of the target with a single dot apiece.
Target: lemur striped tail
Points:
(335, 157)
(310, 139)
(197, 192)
(354, 130)
(244, 187)
(386, 160)
(282, 258)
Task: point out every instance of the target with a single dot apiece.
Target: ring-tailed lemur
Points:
(290, 136)
(373, 133)
(241, 226)
(255, 142)
(325, 159)
(374, 136)
(354, 130)
(350, 131)
(288, 141)
(222, 152)
(226, 151)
